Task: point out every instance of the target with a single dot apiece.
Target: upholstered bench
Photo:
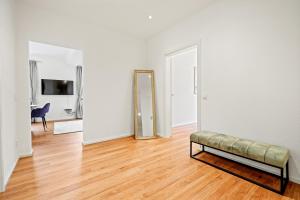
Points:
(266, 154)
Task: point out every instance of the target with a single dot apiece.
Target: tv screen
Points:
(57, 87)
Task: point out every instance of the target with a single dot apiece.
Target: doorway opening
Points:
(182, 75)
(56, 92)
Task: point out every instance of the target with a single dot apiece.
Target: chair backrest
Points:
(46, 108)
(40, 112)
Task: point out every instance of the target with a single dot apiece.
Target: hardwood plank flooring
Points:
(61, 168)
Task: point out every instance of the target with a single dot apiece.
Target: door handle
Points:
(195, 81)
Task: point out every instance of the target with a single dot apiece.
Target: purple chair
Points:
(41, 112)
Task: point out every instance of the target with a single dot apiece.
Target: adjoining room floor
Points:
(38, 130)
(61, 168)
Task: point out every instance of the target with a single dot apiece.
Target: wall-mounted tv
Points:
(57, 87)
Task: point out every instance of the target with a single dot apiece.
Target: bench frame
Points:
(284, 178)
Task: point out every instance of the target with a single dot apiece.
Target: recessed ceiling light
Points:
(149, 17)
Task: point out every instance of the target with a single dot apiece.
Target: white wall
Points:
(109, 60)
(250, 69)
(184, 100)
(8, 150)
(57, 67)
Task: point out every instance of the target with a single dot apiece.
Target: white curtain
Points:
(79, 90)
(33, 81)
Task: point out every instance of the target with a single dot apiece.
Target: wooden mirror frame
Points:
(151, 72)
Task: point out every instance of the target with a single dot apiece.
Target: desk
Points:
(32, 106)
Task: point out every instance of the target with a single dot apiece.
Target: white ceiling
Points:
(70, 56)
(50, 50)
(129, 16)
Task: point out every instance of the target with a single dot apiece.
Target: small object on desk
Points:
(69, 111)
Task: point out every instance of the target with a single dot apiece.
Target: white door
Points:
(184, 88)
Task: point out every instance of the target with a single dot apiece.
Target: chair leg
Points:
(43, 119)
(45, 122)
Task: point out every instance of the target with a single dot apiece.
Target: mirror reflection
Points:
(144, 104)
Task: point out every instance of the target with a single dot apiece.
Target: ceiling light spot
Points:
(149, 17)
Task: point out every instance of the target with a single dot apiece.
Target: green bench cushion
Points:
(202, 137)
(269, 154)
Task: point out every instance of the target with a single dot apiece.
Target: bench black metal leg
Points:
(287, 171)
(191, 151)
(191, 147)
(283, 181)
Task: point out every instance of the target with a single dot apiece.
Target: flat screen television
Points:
(57, 87)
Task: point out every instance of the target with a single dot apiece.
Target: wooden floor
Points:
(156, 169)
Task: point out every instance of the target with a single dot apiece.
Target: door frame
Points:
(168, 87)
(29, 42)
(2, 184)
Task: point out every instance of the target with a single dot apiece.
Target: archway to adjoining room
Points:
(56, 93)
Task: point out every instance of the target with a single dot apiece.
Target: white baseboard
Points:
(6, 179)
(24, 155)
(107, 138)
(183, 124)
(295, 179)
(244, 161)
(2, 186)
(164, 136)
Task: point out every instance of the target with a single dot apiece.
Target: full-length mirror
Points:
(144, 104)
